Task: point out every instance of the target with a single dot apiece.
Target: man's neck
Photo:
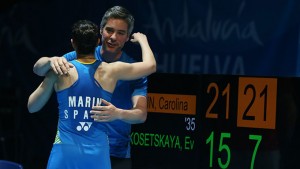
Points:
(110, 57)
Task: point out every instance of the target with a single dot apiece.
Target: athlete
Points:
(80, 141)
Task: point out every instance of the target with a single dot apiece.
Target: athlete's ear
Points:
(101, 31)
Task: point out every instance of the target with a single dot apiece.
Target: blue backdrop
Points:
(196, 37)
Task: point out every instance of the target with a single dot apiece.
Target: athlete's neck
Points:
(86, 58)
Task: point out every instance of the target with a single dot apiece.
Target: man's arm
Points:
(59, 65)
(138, 114)
(108, 112)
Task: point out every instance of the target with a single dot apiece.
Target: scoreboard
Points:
(218, 121)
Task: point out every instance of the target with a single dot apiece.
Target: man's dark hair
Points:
(118, 12)
(85, 36)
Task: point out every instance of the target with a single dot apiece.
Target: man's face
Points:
(114, 35)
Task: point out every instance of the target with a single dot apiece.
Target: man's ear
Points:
(101, 31)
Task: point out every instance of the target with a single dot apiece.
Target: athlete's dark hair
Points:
(85, 36)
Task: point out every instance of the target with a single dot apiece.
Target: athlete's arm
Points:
(41, 95)
(131, 71)
(58, 64)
